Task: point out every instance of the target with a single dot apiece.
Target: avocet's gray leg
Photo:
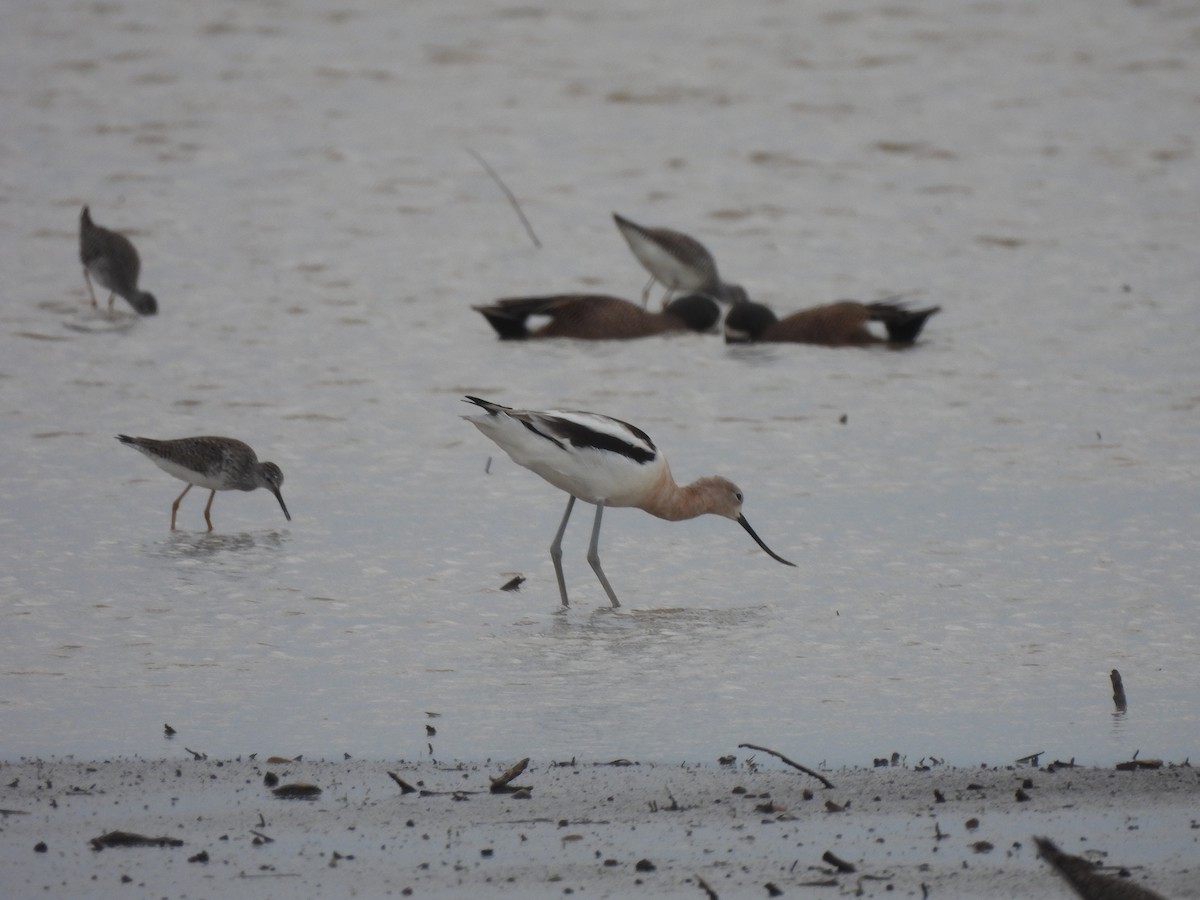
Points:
(593, 557)
(556, 551)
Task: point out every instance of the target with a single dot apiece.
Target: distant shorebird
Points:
(597, 317)
(676, 261)
(606, 462)
(841, 324)
(216, 463)
(111, 259)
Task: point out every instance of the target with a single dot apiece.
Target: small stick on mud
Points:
(297, 790)
(708, 891)
(500, 785)
(405, 787)
(248, 875)
(840, 864)
(1135, 763)
(1118, 690)
(509, 194)
(1083, 877)
(132, 839)
(795, 765)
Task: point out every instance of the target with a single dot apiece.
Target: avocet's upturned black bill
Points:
(607, 462)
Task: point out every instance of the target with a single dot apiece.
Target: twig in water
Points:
(509, 194)
(795, 765)
(1118, 691)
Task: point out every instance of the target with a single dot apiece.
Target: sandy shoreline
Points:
(591, 829)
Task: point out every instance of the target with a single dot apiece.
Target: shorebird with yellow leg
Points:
(607, 462)
(677, 261)
(216, 463)
(111, 259)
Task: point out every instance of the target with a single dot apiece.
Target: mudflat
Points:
(260, 827)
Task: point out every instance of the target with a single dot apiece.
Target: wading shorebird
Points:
(216, 463)
(597, 317)
(840, 324)
(111, 259)
(607, 462)
(676, 261)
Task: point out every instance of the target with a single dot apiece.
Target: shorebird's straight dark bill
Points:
(283, 506)
(771, 553)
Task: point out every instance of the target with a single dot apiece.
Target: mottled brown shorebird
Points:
(597, 317)
(1086, 881)
(677, 261)
(111, 259)
(840, 324)
(216, 463)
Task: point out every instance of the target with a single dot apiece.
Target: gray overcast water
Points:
(1008, 512)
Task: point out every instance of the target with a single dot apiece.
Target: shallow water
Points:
(1007, 512)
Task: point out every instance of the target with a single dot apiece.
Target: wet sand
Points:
(753, 828)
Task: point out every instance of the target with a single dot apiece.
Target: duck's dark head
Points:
(697, 312)
(746, 322)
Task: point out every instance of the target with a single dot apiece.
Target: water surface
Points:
(984, 526)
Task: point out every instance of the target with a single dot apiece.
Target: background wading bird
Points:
(677, 261)
(111, 259)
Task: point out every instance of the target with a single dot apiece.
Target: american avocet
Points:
(111, 259)
(606, 462)
(216, 463)
(838, 324)
(676, 261)
(598, 317)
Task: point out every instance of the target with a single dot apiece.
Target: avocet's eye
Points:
(738, 495)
